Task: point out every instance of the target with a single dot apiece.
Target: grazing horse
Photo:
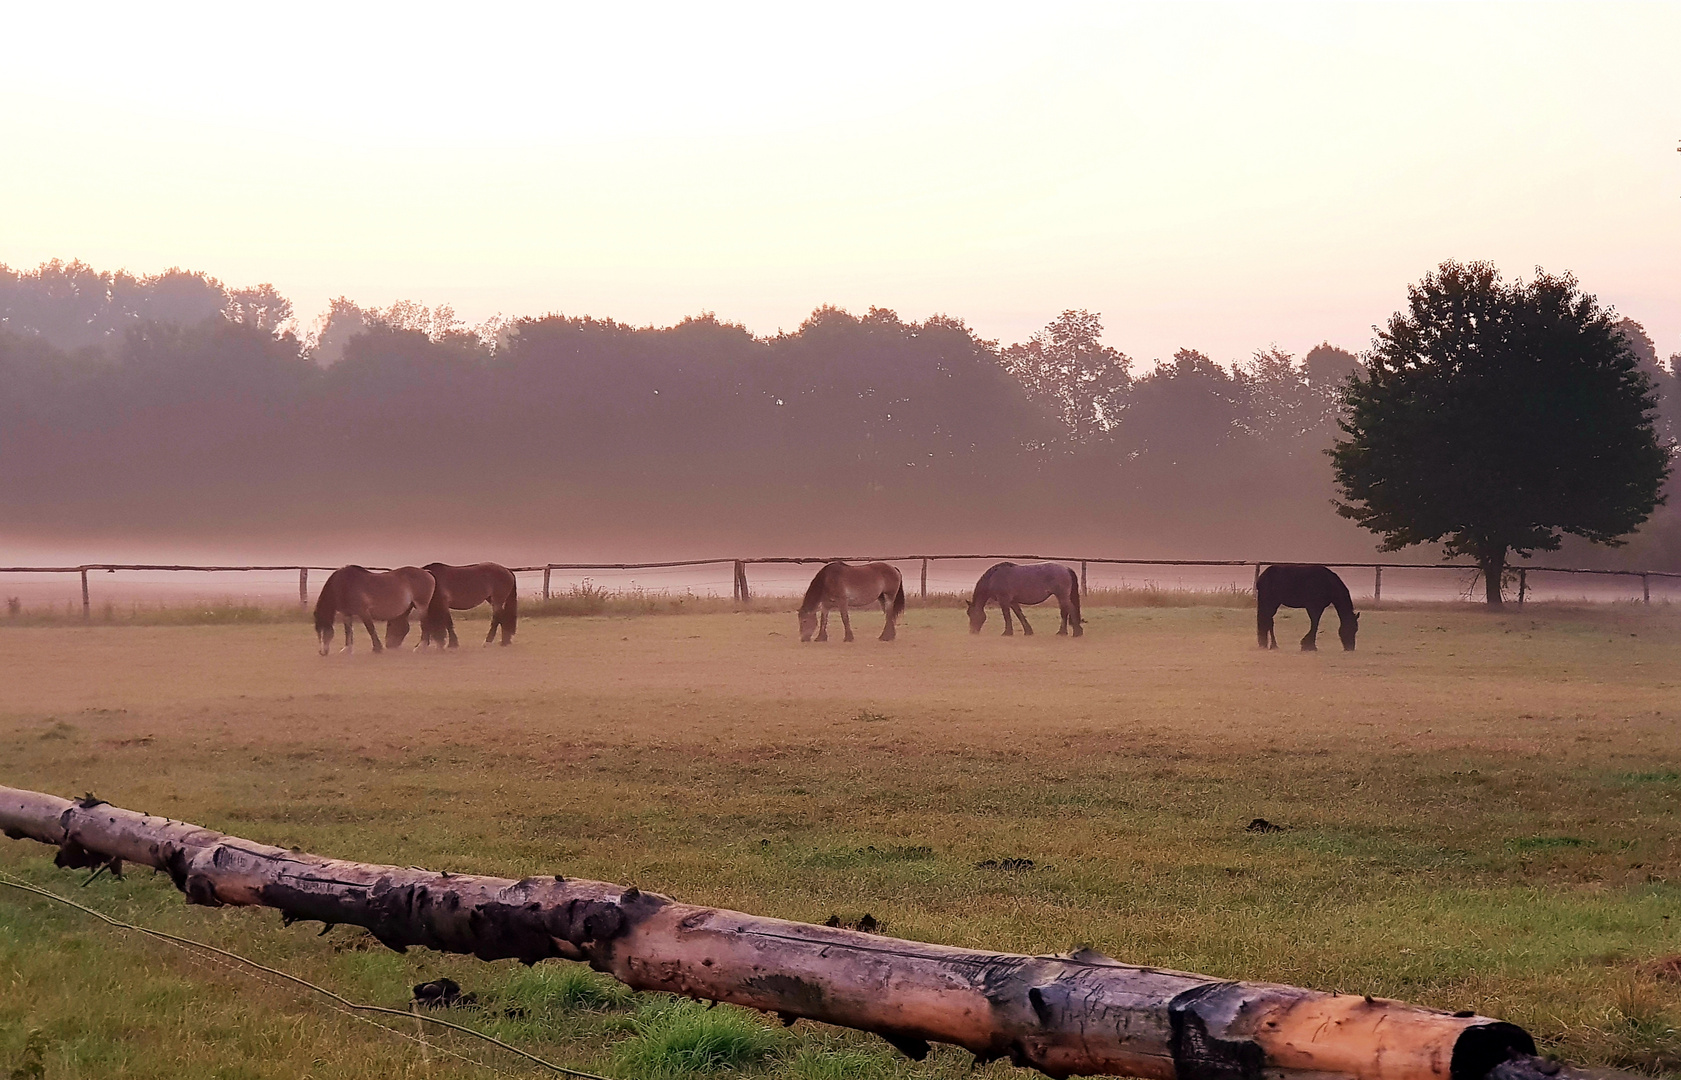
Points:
(1303, 586)
(1012, 585)
(843, 586)
(359, 593)
(463, 587)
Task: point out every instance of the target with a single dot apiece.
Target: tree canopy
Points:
(176, 405)
(1496, 418)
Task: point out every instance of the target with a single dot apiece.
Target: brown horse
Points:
(464, 587)
(359, 593)
(842, 586)
(1012, 586)
(1303, 586)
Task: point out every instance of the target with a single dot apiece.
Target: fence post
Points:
(735, 582)
(1257, 577)
(86, 611)
(1083, 576)
(1645, 589)
(303, 586)
(546, 568)
(1523, 585)
(741, 581)
(1377, 587)
(924, 592)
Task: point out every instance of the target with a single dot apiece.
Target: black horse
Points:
(1301, 586)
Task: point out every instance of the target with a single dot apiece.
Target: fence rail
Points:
(741, 590)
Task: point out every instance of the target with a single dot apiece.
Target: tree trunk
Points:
(1494, 572)
(1063, 1015)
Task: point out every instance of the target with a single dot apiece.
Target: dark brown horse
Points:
(359, 593)
(843, 586)
(1303, 586)
(1012, 585)
(464, 587)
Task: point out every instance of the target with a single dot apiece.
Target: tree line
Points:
(175, 400)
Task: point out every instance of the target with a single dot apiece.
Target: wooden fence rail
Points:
(740, 589)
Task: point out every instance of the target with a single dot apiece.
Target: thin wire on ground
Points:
(7, 879)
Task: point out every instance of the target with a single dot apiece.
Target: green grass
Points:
(680, 1039)
(1479, 811)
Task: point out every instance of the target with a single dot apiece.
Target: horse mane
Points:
(327, 603)
(1340, 597)
(814, 593)
(983, 587)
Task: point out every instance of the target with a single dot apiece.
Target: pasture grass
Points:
(582, 599)
(1474, 811)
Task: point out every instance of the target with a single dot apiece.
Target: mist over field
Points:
(176, 417)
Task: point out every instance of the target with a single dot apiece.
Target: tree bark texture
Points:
(1494, 577)
(1082, 1014)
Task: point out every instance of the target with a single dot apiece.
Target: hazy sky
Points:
(1212, 175)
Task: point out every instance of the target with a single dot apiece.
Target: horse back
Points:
(1302, 585)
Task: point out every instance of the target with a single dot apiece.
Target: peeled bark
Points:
(1083, 1014)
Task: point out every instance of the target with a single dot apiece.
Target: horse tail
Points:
(510, 613)
(1074, 596)
(435, 619)
(899, 597)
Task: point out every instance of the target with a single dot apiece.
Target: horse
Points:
(463, 587)
(359, 593)
(842, 586)
(1312, 587)
(1013, 585)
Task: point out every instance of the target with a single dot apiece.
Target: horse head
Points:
(808, 624)
(1347, 628)
(977, 615)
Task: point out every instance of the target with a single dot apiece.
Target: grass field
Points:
(1477, 812)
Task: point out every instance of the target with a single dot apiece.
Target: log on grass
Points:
(1082, 1014)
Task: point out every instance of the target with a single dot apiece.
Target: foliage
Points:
(1495, 418)
(1066, 367)
(175, 403)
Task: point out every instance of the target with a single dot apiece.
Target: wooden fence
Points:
(741, 590)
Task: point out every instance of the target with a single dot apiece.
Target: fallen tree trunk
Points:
(1083, 1014)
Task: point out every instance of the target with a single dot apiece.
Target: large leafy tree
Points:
(1495, 418)
(1067, 368)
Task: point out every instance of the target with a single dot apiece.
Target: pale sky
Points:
(1219, 176)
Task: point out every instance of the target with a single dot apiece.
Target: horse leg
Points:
(1310, 643)
(822, 622)
(1062, 606)
(1026, 630)
(886, 614)
(1263, 625)
(846, 620)
(373, 632)
(495, 621)
(347, 641)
